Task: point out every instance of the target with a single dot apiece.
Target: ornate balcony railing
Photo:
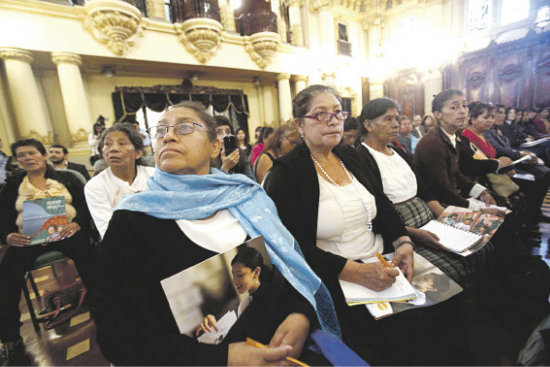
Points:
(256, 22)
(344, 48)
(181, 10)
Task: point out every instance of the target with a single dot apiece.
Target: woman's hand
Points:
(511, 173)
(292, 331)
(486, 197)
(493, 211)
(371, 275)
(17, 239)
(404, 258)
(230, 161)
(426, 237)
(242, 354)
(69, 230)
(504, 161)
(435, 207)
(207, 325)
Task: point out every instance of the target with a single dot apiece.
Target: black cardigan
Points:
(135, 325)
(294, 187)
(471, 167)
(422, 190)
(10, 192)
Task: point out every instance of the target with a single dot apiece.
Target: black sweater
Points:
(10, 192)
(135, 325)
(294, 187)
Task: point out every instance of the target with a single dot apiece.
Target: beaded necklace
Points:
(358, 195)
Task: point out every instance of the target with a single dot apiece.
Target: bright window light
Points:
(513, 11)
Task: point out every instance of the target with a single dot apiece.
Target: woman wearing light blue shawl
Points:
(184, 188)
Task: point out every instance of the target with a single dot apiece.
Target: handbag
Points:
(502, 184)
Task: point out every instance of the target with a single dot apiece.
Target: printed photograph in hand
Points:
(208, 298)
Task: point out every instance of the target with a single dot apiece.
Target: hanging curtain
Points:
(127, 101)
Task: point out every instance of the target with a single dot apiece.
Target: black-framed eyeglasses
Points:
(183, 128)
(327, 116)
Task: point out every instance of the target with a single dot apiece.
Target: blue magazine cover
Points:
(43, 219)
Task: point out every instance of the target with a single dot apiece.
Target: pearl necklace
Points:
(363, 200)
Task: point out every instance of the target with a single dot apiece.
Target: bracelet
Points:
(402, 242)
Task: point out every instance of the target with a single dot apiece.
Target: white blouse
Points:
(342, 220)
(219, 233)
(398, 178)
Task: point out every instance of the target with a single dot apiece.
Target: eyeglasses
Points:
(327, 116)
(184, 128)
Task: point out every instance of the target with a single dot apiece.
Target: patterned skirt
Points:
(415, 213)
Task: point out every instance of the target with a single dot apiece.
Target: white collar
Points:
(452, 137)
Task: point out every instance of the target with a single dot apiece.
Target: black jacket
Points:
(422, 190)
(471, 167)
(135, 325)
(9, 193)
(294, 187)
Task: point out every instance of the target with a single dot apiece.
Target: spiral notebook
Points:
(463, 231)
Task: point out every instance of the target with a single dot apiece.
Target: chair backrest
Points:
(78, 175)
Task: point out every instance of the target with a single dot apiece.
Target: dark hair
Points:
(500, 106)
(441, 98)
(266, 131)
(97, 124)
(351, 123)
(542, 109)
(245, 134)
(65, 151)
(478, 108)
(127, 129)
(403, 118)
(224, 121)
(302, 102)
(26, 143)
(280, 133)
(376, 108)
(200, 109)
(427, 117)
(508, 110)
(251, 258)
(531, 109)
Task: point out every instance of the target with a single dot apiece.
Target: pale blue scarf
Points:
(199, 196)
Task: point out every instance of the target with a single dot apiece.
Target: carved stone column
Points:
(300, 83)
(433, 85)
(269, 110)
(155, 9)
(285, 98)
(75, 100)
(326, 30)
(295, 19)
(227, 15)
(25, 96)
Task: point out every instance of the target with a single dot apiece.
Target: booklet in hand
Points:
(463, 231)
(207, 289)
(431, 285)
(511, 166)
(43, 219)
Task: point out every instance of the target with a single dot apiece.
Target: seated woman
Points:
(38, 181)
(339, 214)
(190, 213)
(411, 198)
(491, 145)
(265, 136)
(282, 142)
(122, 148)
(436, 155)
(473, 161)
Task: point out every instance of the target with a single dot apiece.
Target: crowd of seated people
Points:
(335, 191)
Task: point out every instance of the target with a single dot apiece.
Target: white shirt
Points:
(104, 191)
(220, 233)
(452, 137)
(398, 179)
(342, 221)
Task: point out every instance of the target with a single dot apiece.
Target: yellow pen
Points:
(260, 345)
(383, 261)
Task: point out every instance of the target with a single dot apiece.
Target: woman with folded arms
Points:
(339, 214)
(189, 213)
(411, 198)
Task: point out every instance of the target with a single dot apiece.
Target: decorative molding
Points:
(79, 136)
(201, 37)
(281, 29)
(66, 58)
(262, 47)
(228, 18)
(299, 3)
(114, 23)
(296, 35)
(283, 76)
(46, 140)
(12, 53)
(155, 9)
(299, 78)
